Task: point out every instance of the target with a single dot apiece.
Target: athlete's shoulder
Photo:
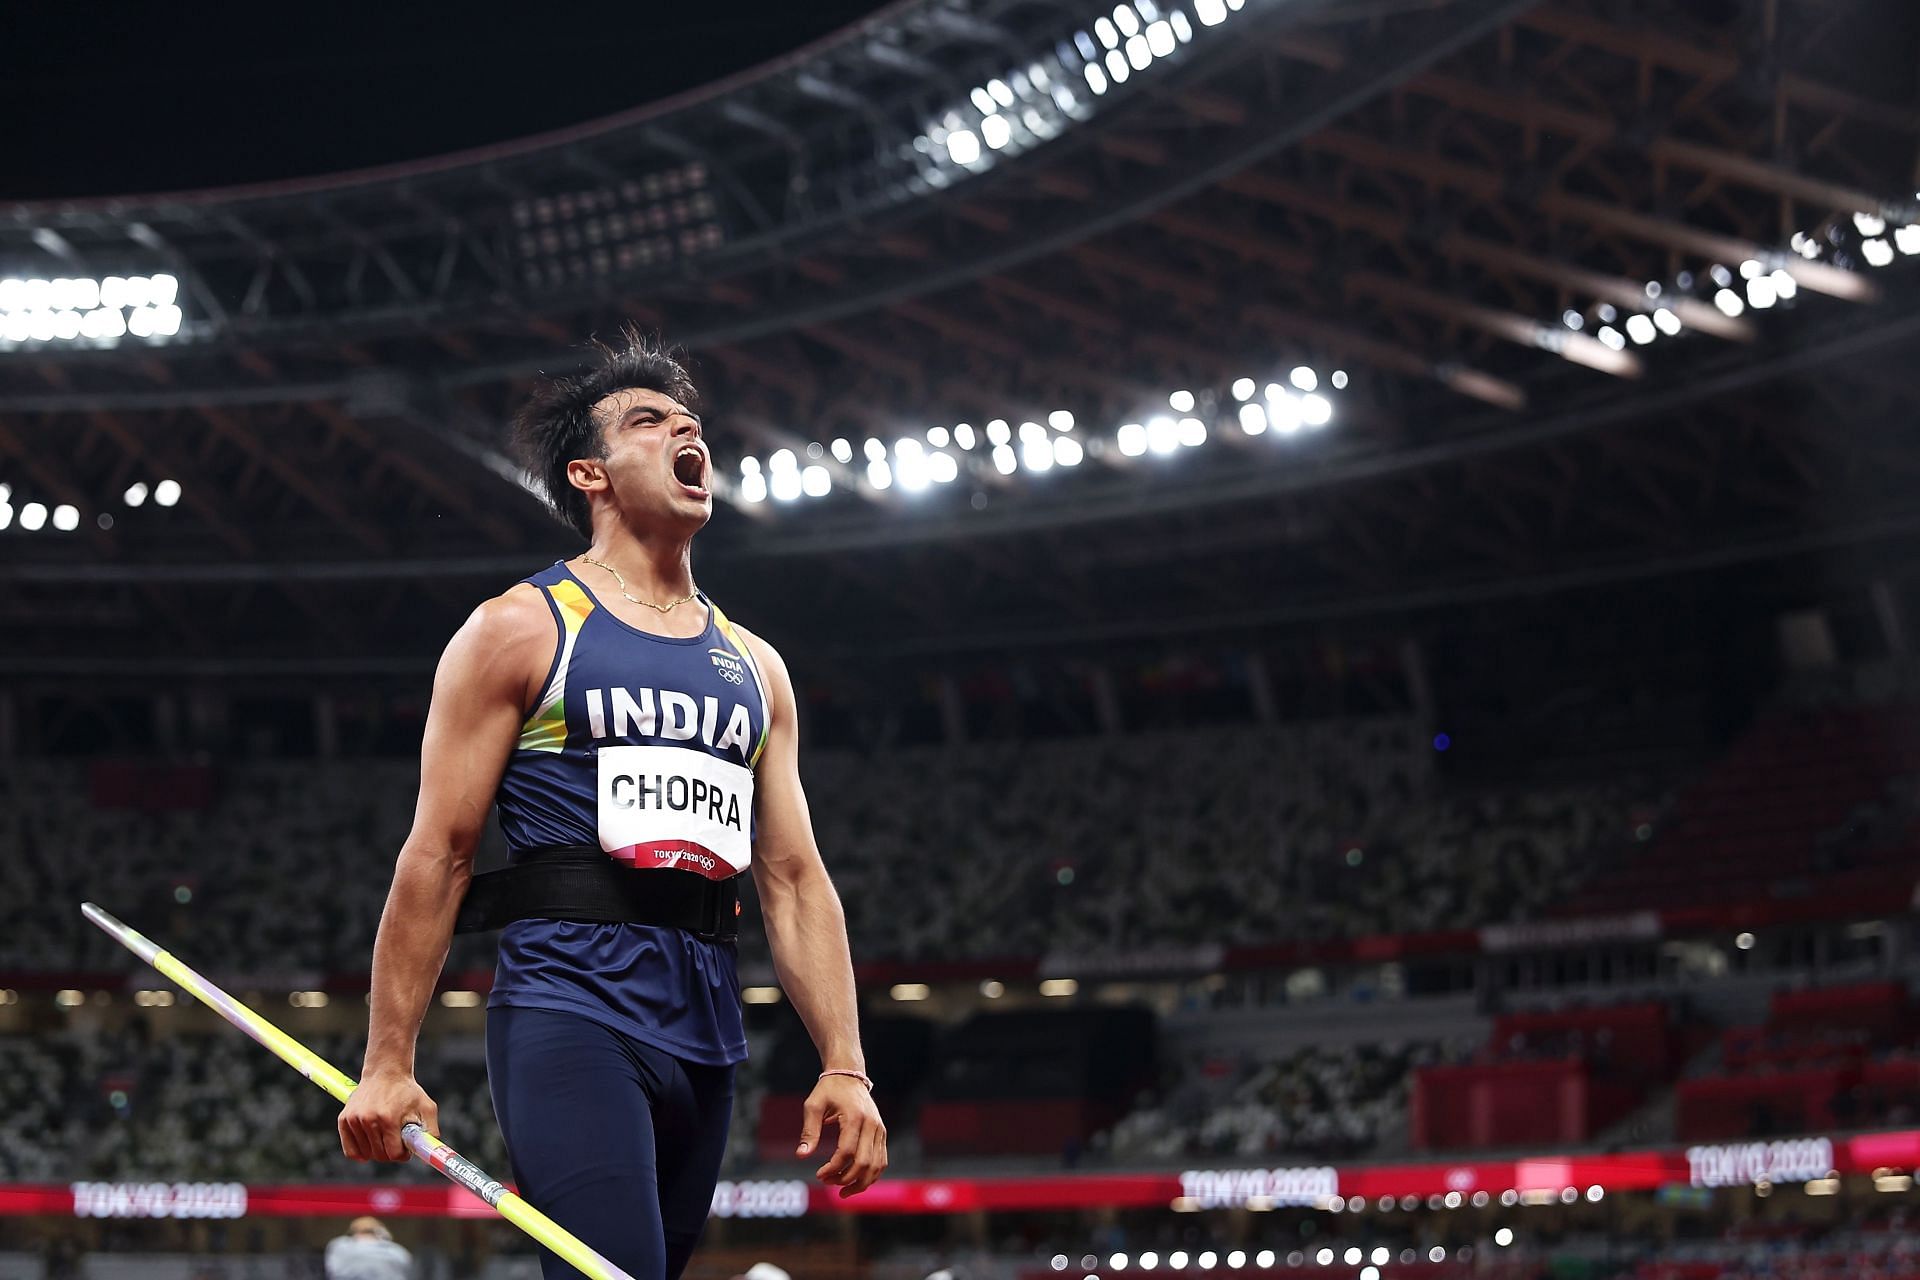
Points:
(763, 652)
(773, 668)
(504, 646)
(516, 620)
(518, 612)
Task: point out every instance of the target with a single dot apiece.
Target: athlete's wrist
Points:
(386, 1071)
(850, 1072)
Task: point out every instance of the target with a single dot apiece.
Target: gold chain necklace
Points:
(648, 604)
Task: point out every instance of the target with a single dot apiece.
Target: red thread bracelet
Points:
(861, 1076)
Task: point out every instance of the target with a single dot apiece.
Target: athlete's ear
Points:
(589, 475)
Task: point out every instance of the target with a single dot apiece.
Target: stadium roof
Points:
(1612, 288)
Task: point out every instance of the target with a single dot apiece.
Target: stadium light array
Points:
(64, 517)
(1755, 284)
(942, 455)
(639, 222)
(32, 517)
(1027, 105)
(87, 312)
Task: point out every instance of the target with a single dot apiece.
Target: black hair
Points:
(558, 424)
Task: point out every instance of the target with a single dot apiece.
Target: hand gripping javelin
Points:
(336, 1082)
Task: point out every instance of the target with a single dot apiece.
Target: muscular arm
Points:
(807, 931)
(480, 695)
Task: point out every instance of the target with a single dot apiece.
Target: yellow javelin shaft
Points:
(338, 1083)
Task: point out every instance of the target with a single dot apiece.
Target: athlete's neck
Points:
(657, 569)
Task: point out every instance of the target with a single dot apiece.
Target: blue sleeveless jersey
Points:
(643, 746)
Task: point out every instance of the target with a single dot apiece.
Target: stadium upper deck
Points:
(1352, 307)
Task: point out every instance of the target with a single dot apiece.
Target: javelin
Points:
(336, 1082)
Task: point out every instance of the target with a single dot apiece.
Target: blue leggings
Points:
(615, 1140)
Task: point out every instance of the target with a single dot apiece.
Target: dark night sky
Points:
(115, 98)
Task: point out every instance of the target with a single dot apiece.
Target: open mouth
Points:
(690, 469)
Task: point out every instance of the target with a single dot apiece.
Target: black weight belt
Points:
(580, 882)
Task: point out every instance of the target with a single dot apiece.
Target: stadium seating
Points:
(91, 1103)
(1827, 1058)
(279, 868)
(1317, 1102)
(1780, 815)
(1083, 847)
(1076, 1086)
(1548, 1077)
(990, 850)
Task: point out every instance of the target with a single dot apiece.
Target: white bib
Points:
(674, 807)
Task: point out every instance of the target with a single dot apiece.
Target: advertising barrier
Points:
(1353, 1188)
